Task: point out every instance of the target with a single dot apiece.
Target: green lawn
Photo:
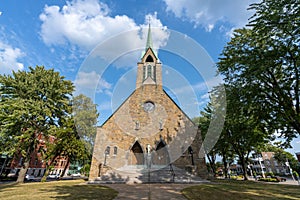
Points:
(75, 189)
(234, 190)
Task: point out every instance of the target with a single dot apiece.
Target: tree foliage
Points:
(74, 140)
(85, 118)
(203, 123)
(33, 103)
(263, 60)
(242, 131)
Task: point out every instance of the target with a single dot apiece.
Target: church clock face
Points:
(149, 106)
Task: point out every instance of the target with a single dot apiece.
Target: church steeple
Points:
(149, 43)
(149, 68)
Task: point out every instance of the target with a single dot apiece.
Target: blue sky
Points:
(66, 35)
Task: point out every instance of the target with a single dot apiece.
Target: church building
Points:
(148, 135)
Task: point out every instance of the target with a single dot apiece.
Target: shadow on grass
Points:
(82, 191)
(7, 185)
(242, 190)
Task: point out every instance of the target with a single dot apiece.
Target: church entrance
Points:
(161, 154)
(137, 154)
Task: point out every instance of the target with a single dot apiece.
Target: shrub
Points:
(268, 179)
(296, 175)
(270, 174)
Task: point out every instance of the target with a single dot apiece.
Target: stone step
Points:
(139, 174)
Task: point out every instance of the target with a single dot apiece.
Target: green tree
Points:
(243, 130)
(32, 104)
(85, 116)
(283, 156)
(74, 140)
(67, 143)
(264, 61)
(203, 123)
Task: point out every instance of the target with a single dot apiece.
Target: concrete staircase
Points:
(141, 174)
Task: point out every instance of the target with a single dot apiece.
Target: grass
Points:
(73, 189)
(233, 190)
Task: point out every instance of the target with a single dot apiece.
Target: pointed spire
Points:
(149, 43)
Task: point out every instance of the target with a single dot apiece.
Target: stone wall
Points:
(131, 123)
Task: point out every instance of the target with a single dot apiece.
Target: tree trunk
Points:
(243, 163)
(47, 171)
(65, 168)
(211, 160)
(25, 166)
(48, 168)
(225, 166)
(23, 171)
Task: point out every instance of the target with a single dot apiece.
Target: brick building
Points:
(148, 132)
(298, 156)
(37, 165)
(266, 162)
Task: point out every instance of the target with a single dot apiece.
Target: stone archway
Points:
(161, 154)
(137, 154)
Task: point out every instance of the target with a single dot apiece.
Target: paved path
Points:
(150, 191)
(157, 191)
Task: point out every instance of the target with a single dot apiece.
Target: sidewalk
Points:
(150, 191)
(287, 182)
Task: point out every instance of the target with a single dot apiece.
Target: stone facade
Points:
(148, 129)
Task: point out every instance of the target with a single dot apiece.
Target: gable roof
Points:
(133, 93)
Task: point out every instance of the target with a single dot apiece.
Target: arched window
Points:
(149, 59)
(149, 71)
(144, 72)
(115, 150)
(107, 150)
(154, 73)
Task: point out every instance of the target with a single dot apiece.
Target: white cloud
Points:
(103, 86)
(106, 105)
(125, 49)
(208, 13)
(0, 13)
(89, 83)
(86, 23)
(9, 57)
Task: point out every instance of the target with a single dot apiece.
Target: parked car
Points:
(53, 176)
(76, 175)
(29, 177)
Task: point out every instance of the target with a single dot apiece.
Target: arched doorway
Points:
(137, 154)
(161, 155)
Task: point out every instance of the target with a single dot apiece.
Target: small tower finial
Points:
(149, 20)
(149, 43)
